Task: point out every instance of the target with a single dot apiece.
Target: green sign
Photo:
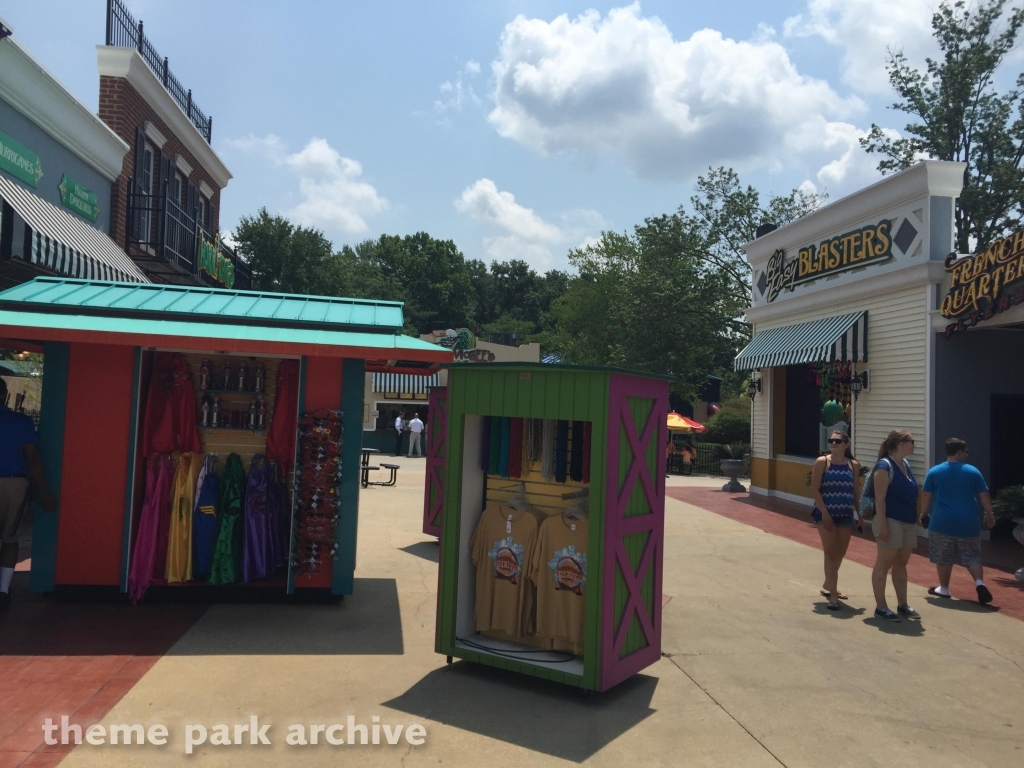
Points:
(19, 161)
(79, 199)
(214, 263)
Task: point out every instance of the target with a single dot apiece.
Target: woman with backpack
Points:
(834, 480)
(894, 524)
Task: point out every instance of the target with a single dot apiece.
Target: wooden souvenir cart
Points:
(100, 341)
(626, 412)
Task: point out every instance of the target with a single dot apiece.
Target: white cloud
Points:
(865, 30)
(622, 84)
(523, 234)
(457, 94)
(334, 195)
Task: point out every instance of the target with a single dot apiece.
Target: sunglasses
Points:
(836, 441)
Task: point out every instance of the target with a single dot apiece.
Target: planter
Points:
(733, 468)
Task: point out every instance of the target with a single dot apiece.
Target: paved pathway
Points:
(755, 671)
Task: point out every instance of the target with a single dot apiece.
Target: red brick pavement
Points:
(74, 659)
(792, 521)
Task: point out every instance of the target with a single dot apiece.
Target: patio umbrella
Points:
(679, 423)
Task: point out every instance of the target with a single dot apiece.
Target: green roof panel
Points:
(192, 304)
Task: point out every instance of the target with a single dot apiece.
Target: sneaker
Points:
(984, 596)
(886, 614)
(906, 610)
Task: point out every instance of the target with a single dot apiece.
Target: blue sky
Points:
(517, 129)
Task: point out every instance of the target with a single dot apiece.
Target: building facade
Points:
(166, 198)
(848, 332)
(57, 164)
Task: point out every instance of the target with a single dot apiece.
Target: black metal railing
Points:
(124, 32)
(159, 228)
(706, 462)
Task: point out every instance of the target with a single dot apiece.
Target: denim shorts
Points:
(838, 522)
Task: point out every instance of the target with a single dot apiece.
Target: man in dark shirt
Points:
(19, 464)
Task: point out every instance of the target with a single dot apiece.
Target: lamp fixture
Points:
(754, 388)
(858, 383)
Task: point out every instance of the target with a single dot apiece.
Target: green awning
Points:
(832, 339)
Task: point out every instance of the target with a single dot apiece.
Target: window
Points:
(178, 189)
(204, 209)
(146, 183)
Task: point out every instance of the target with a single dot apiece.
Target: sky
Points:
(517, 129)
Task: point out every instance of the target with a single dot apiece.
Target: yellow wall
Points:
(777, 475)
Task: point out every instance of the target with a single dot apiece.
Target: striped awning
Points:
(834, 339)
(66, 244)
(404, 383)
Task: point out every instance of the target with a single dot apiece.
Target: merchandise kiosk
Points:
(151, 390)
(551, 496)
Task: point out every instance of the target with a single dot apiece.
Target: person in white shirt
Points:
(415, 430)
(399, 426)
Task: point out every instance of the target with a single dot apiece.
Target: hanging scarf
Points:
(547, 460)
(494, 456)
(256, 536)
(506, 440)
(576, 452)
(535, 439)
(179, 538)
(157, 498)
(170, 420)
(485, 444)
(280, 517)
(204, 519)
(561, 451)
(587, 433)
(515, 451)
(227, 553)
(281, 437)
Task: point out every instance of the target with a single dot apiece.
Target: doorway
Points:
(1007, 434)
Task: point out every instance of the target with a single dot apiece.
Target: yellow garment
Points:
(501, 547)
(179, 538)
(559, 569)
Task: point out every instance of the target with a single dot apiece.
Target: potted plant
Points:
(733, 462)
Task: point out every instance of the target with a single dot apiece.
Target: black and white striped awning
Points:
(404, 383)
(834, 339)
(64, 243)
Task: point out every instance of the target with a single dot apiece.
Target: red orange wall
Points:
(95, 464)
(323, 390)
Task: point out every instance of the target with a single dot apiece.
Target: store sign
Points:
(79, 199)
(858, 248)
(214, 263)
(980, 285)
(463, 343)
(19, 161)
(474, 356)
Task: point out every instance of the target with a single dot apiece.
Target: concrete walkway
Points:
(755, 672)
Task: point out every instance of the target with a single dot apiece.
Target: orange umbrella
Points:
(679, 423)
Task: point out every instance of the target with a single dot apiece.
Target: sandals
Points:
(833, 606)
(825, 594)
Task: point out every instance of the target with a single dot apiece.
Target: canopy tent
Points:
(679, 423)
(830, 340)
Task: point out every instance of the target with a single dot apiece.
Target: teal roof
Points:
(195, 304)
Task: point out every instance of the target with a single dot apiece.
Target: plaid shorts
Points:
(950, 550)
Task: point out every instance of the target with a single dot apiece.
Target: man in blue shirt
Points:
(954, 490)
(19, 463)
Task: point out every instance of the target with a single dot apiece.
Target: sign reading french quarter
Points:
(213, 262)
(79, 199)
(978, 287)
(19, 161)
(851, 250)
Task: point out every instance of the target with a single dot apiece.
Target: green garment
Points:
(831, 412)
(227, 553)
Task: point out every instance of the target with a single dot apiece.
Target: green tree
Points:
(650, 301)
(725, 215)
(958, 114)
(732, 422)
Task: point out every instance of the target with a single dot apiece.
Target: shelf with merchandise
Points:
(230, 392)
(210, 428)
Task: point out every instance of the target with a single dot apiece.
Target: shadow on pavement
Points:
(961, 605)
(529, 712)
(846, 612)
(368, 622)
(428, 550)
(906, 627)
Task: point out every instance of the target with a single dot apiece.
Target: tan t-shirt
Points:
(501, 548)
(559, 569)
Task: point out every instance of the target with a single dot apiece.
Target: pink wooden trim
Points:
(613, 633)
(437, 438)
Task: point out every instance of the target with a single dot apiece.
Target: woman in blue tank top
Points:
(834, 480)
(895, 523)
